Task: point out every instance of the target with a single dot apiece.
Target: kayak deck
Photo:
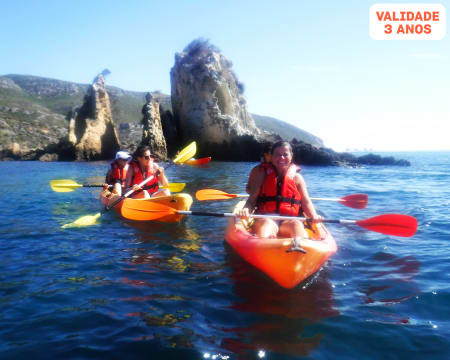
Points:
(179, 201)
(272, 255)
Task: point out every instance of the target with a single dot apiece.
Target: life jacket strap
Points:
(278, 198)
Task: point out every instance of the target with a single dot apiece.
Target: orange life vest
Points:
(279, 196)
(117, 174)
(152, 185)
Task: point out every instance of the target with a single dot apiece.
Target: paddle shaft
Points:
(256, 216)
(312, 198)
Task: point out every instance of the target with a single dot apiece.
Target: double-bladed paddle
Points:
(66, 185)
(355, 201)
(389, 224)
(184, 155)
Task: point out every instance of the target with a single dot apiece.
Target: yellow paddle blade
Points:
(83, 221)
(64, 185)
(185, 154)
(175, 187)
(142, 210)
(213, 194)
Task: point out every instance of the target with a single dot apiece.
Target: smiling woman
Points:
(279, 189)
(142, 167)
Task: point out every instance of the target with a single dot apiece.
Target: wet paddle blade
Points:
(83, 221)
(141, 210)
(391, 224)
(355, 201)
(175, 187)
(64, 185)
(213, 194)
(187, 153)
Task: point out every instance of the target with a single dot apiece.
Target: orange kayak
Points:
(271, 255)
(179, 201)
(202, 161)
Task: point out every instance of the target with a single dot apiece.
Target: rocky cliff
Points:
(35, 114)
(92, 132)
(152, 134)
(208, 103)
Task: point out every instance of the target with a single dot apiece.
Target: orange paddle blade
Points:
(355, 201)
(213, 194)
(141, 210)
(391, 224)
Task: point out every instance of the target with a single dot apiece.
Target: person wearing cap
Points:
(142, 167)
(115, 177)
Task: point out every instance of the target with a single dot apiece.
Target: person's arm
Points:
(255, 182)
(251, 178)
(162, 176)
(307, 205)
(129, 179)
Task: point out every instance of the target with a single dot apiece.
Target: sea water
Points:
(126, 290)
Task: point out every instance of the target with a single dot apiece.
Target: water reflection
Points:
(171, 254)
(391, 283)
(172, 248)
(264, 315)
(283, 316)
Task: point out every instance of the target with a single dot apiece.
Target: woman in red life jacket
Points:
(280, 190)
(261, 167)
(142, 167)
(116, 175)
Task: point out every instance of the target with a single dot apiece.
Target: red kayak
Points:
(202, 161)
(272, 256)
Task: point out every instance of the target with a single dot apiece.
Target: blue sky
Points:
(310, 63)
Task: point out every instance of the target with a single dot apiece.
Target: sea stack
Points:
(152, 132)
(209, 106)
(92, 131)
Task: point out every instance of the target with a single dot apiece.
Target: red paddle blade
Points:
(141, 210)
(355, 201)
(391, 224)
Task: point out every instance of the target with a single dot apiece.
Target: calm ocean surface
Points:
(122, 290)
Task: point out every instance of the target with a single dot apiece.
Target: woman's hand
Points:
(244, 214)
(136, 188)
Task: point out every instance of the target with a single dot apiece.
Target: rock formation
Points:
(170, 130)
(152, 132)
(92, 132)
(208, 103)
(33, 121)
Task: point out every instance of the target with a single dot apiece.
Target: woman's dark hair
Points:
(140, 151)
(280, 144)
(267, 148)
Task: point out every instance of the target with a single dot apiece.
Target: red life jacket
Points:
(279, 196)
(117, 174)
(152, 185)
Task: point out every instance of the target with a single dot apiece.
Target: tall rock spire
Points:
(208, 103)
(92, 131)
(152, 132)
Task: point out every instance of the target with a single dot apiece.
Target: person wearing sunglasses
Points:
(142, 167)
